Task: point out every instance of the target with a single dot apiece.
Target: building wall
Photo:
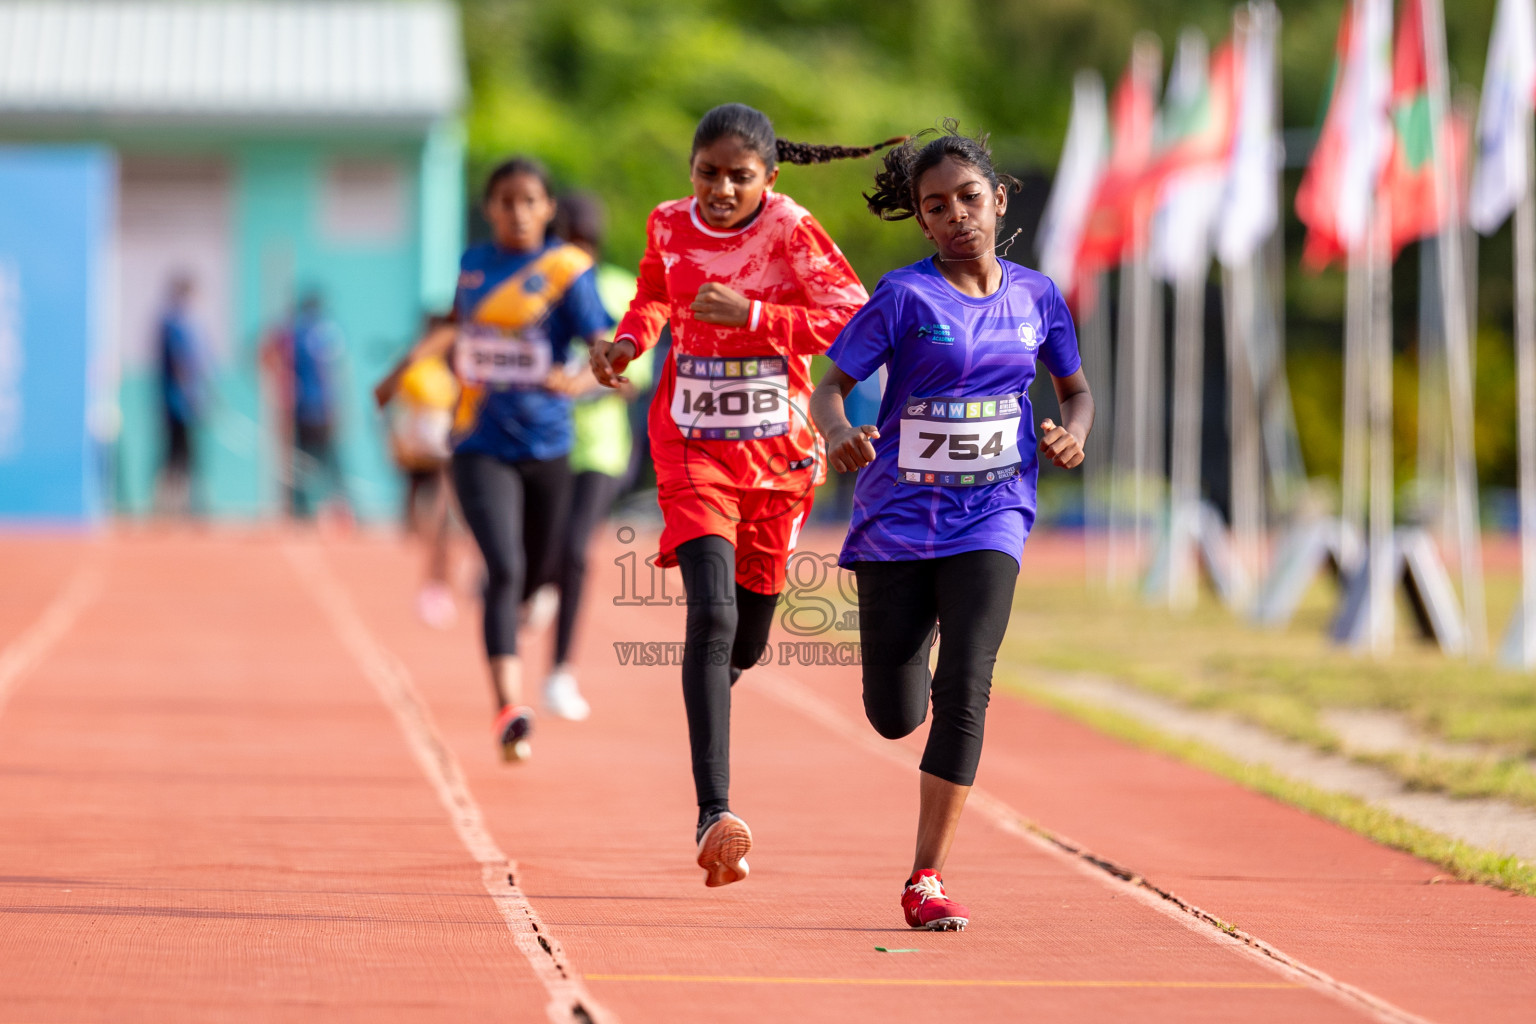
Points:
(375, 229)
(56, 225)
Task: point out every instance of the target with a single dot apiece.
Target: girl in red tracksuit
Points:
(753, 287)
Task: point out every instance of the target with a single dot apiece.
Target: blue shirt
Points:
(518, 424)
(316, 351)
(181, 369)
(938, 343)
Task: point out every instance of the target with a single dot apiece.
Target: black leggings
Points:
(592, 494)
(727, 633)
(969, 596)
(516, 511)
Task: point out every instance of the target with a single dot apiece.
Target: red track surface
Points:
(222, 798)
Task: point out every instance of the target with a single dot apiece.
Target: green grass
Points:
(1285, 680)
(1460, 860)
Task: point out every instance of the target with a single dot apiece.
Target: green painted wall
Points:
(376, 292)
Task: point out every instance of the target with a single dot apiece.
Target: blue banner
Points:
(57, 213)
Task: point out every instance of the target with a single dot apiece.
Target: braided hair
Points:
(895, 195)
(755, 131)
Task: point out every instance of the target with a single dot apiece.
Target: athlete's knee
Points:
(745, 655)
(891, 723)
(892, 718)
(711, 622)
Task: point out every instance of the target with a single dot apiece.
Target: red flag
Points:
(1408, 181)
(1118, 214)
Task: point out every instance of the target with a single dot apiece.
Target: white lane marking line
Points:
(34, 643)
(802, 699)
(569, 999)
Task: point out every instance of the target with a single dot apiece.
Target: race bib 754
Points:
(959, 441)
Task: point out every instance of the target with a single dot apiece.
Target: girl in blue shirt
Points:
(945, 494)
(522, 299)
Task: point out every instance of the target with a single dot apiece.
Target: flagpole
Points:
(1525, 357)
(1094, 332)
(1457, 357)
(1245, 487)
(1184, 492)
(1352, 471)
(1124, 427)
(1379, 618)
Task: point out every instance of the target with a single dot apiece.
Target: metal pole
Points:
(1352, 472)
(1094, 331)
(1125, 428)
(1188, 397)
(1525, 358)
(1457, 355)
(1379, 263)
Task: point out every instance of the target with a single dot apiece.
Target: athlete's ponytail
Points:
(755, 131)
(895, 195)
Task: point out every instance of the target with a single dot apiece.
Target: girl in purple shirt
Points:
(945, 494)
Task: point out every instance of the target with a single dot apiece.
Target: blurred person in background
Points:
(600, 457)
(522, 299)
(862, 405)
(420, 440)
(183, 387)
(306, 354)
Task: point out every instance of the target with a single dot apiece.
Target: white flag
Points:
(1251, 204)
(1508, 85)
(1082, 161)
(1188, 201)
(1367, 91)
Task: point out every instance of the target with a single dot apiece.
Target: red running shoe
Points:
(513, 725)
(927, 907)
(723, 847)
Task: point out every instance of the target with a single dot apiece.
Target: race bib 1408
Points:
(959, 442)
(493, 357)
(731, 399)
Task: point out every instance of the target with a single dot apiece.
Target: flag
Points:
(1508, 86)
(1338, 189)
(1250, 207)
(1408, 181)
(1077, 176)
(1196, 131)
(1116, 217)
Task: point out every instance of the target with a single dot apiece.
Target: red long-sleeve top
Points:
(803, 291)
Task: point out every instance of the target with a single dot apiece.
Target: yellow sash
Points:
(520, 301)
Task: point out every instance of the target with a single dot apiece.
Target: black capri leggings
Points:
(516, 511)
(969, 596)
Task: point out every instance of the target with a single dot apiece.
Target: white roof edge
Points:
(357, 60)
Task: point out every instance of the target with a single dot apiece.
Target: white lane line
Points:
(569, 999)
(801, 698)
(34, 643)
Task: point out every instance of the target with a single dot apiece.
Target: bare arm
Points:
(848, 446)
(435, 342)
(1064, 444)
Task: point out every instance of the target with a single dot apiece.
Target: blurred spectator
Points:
(182, 395)
(863, 406)
(600, 458)
(420, 425)
(306, 353)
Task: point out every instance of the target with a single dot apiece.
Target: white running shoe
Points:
(540, 608)
(563, 699)
(435, 606)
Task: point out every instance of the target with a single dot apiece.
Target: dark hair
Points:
(895, 196)
(514, 166)
(755, 131)
(580, 218)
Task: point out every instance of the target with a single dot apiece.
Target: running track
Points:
(239, 782)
